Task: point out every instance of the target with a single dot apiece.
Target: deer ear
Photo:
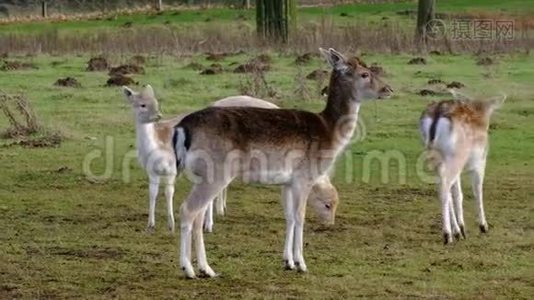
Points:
(128, 92)
(334, 58)
(148, 91)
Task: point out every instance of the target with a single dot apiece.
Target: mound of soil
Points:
(436, 81)
(126, 69)
(16, 65)
(426, 92)
(119, 80)
(485, 61)
(262, 59)
(417, 61)
(127, 24)
(317, 75)
(97, 64)
(435, 52)
(216, 56)
(68, 82)
(344, 14)
(138, 60)
(304, 58)
(455, 85)
(194, 66)
(377, 69)
(252, 67)
(4, 55)
(212, 70)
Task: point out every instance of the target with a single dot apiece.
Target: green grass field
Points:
(68, 235)
(194, 18)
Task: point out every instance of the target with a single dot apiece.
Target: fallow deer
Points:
(154, 150)
(455, 133)
(292, 148)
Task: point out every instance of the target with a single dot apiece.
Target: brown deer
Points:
(291, 148)
(455, 133)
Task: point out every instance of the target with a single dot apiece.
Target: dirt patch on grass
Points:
(120, 80)
(194, 66)
(97, 64)
(68, 82)
(17, 65)
(212, 70)
(126, 69)
(455, 85)
(137, 60)
(304, 58)
(485, 61)
(317, 75)
(436, 81)
(417, 61)
(262, 59)
(250, 68)
(427, 92)
(216, 56)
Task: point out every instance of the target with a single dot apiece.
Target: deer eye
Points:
(143, 105)
(364, 75)
(327, 206)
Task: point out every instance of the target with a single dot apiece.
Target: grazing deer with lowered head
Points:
(291, 148)
(455, 133)
(323, 196)
(154, 150)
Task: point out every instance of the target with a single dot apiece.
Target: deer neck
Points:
(146, 139)
(341, 111)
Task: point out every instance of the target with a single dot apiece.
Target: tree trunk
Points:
(158, 5)
(44, 9)
(274, 18)
(425, 14)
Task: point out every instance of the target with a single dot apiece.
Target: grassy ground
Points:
(64, 235)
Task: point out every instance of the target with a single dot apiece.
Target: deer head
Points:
(352, 79)
(144, 104)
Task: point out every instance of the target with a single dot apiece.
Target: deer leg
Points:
(153, 188)
(198, 237)
(208, 218)
(169, 194)
(191, 219)
(287, 201)
(300, 195)
(477, 179)
(221, 202)
(458, 198)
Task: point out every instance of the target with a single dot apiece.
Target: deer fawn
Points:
(455, 132)
(291, 148)
(154, 150)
